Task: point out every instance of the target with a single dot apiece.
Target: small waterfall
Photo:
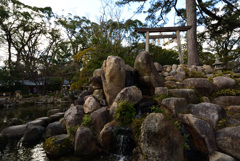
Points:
(125, 144)
(130, 79)
(144, 107)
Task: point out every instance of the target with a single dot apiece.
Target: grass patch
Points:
(72, 130)
(159, 98)
(86, 121)
(227, 92)
(136, 127)
(195, 74)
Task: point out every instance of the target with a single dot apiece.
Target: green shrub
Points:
(222, 124)
(157, 109)
(215, 75)
(72, 130)
(229, 72)
(125, 113)
(159, 98)
(185, 136)
(136, 127)
(227, 92)
(196, 74)
(86, 121)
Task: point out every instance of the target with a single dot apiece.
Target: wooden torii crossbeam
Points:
(164, 29)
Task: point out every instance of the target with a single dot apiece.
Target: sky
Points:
(91, 8)
(88, 8)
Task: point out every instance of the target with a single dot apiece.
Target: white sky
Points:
(88, 8)
(91, 8)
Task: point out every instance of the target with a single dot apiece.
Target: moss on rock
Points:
(58, 145)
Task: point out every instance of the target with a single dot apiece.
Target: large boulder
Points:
(56, 117)
(58, 145)
(106, 137)
(160, 139)
(99, 118)
(222, 82)
(227, 100)
(175, 105)
(179, 76)
(171, 84)
(33, 136)
(189, 94)
(85, 144)
(97, 73)
(233, 109)
(201, 134)
(80, 100)
(113, 138)
(158, 67)
(16, 131)
(161, 90)
(228, 141)
(180, 69)
(217, 156)
(209, 111)
(96, 83)
(91, 104)
(84, 93)
(202, 85)
(130, 94)
(46, 120)
(55, 128)
(208, 69)
(13, 121)
(167, 68)
(113, 77)
(74, 116)
(37, 123)
(149, 78)
(98, 94)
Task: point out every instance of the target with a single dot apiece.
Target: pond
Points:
(15, 151)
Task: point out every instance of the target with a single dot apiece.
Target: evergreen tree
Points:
(208, 15)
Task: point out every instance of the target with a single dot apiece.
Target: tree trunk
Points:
(193, 57)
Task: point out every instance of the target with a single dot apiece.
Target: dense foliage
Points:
(124, 113)
(220, 19)
(48, 49)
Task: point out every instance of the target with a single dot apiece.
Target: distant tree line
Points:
(41, 45)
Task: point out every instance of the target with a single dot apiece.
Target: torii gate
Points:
(164, 29)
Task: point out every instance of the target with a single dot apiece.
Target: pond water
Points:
(14, 151)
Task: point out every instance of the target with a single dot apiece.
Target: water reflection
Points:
(14, 151)
(28, 113)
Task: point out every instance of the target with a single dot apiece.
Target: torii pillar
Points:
(165, 29)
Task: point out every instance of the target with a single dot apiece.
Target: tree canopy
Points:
(220, 18)
(222, 11)
(46, 48)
